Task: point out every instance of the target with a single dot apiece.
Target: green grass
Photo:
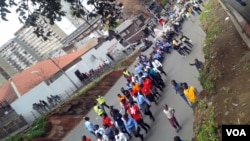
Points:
(206, 16)
(246, 67)
(207, 81)
(212, 33)
(208, 129)
(39, 128)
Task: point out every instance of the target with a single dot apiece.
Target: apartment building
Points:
(15, 56)
(41, 48)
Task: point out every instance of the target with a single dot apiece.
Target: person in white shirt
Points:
(119, 136)
(169, 112)
(101, 137)
(157, 65)
(99, 130)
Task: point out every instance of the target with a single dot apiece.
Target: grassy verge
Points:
(206, 128)
(207, 131)
(39, 128)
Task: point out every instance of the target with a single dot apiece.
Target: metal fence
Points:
(13, 126)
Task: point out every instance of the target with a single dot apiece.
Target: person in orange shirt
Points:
(121, 97)
(136, 86)
(191, 93)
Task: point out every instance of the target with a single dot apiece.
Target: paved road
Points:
(177, 67)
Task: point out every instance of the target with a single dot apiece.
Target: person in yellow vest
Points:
(127, 75)
(191, 93)
(102, 102)
(99, 111)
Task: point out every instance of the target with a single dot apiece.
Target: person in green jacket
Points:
(102, 102)
(99, 111)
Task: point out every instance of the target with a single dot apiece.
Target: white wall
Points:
(23, 105)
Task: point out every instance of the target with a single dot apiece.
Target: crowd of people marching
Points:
(143, 87)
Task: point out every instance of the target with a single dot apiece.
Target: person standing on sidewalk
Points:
(170, 114)
(89, 125)
(179, 90)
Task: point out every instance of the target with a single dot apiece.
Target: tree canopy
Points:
(31, 11)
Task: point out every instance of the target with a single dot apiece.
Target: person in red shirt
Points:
(147, 82)
(107, 120)
(124, 105)
(84, 138)
(145, 90)
(135, 113)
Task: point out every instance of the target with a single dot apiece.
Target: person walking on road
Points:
(84, 138)
(158, 66)
(144, 105)
(119, 136)
(191, 93)
(99, 129)
(102, 102)
(99, 111)
(177, 138)
(179, 90)
(89, 125)
(101, 137)
(170, 114)
(132, 126)
(135, 113)
(198, 64)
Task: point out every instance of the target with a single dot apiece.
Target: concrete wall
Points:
(23, 105)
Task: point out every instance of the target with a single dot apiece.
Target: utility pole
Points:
(64, 73)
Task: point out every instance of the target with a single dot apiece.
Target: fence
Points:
(16, 124)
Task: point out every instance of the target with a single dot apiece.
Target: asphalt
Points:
(177, 68)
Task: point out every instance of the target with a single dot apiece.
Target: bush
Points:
(39, 128)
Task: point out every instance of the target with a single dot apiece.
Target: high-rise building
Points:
(16, 56)
(41, 48)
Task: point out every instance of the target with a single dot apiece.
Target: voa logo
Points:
(236, 132)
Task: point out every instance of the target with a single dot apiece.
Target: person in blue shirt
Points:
(179, 90)
(117, 117)
(144, 105)
(89, 125)
(132, 126)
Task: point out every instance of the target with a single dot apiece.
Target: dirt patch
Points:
(69, 114)
(231, 100)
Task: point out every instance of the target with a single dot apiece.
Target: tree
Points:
(31, 11)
